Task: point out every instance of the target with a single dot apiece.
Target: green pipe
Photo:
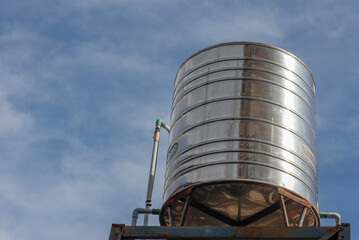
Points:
(162, 123)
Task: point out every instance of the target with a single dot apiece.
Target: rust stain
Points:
(333, 230)
(258, 232)
(163, 235)
(294, 197)
(235, 233)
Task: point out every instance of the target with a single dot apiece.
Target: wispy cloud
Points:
(243, 22)
(12, 122)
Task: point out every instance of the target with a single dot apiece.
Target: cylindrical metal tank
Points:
(242, 141)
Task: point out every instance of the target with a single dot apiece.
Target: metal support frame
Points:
(212, 213)
(272, 208)
(170, 215)
(185, 209)
(339, 232)
(285, 198)
(284, 210)
(302, 216)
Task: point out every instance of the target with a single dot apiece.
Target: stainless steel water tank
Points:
(242, 140)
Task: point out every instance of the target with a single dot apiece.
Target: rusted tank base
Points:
(237, 204)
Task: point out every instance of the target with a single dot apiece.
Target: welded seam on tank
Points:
(243, 44)
(310, 164)
(189, 159)
(240, 59)
(300, 92)
(210, 62)
(263, 59)
(240, 98)
(180, 95)
(297, 129)
(174, 165)
(213, 100)
(313, 149)
(239, 79)
(188, 91)
(245, 118)
(313, 188)
(246, 68)
(177, 97)
(242, 162)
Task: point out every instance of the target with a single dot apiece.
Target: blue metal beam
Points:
(122, 232)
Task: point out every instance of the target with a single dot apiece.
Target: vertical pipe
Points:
(134, 221)
(151, 178)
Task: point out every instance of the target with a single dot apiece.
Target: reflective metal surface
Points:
(243, 124)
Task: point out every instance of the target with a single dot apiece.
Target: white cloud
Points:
(4, 235)
(332, 19)
(108, 56)
(12, 122)
(237, 27)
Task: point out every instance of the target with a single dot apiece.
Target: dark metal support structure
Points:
(170, 215)
(339, 232)
(285, 198)
(272, 208)
(185, 209)
(212, 213)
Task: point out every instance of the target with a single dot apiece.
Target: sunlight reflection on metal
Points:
(242, 124)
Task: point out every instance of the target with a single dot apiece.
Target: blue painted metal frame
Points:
(339, 232)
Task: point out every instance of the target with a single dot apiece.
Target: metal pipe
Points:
(162, 123)
(331, 215)
(151, 179)
(142, 211)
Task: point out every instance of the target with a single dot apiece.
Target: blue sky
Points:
(82, 83)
